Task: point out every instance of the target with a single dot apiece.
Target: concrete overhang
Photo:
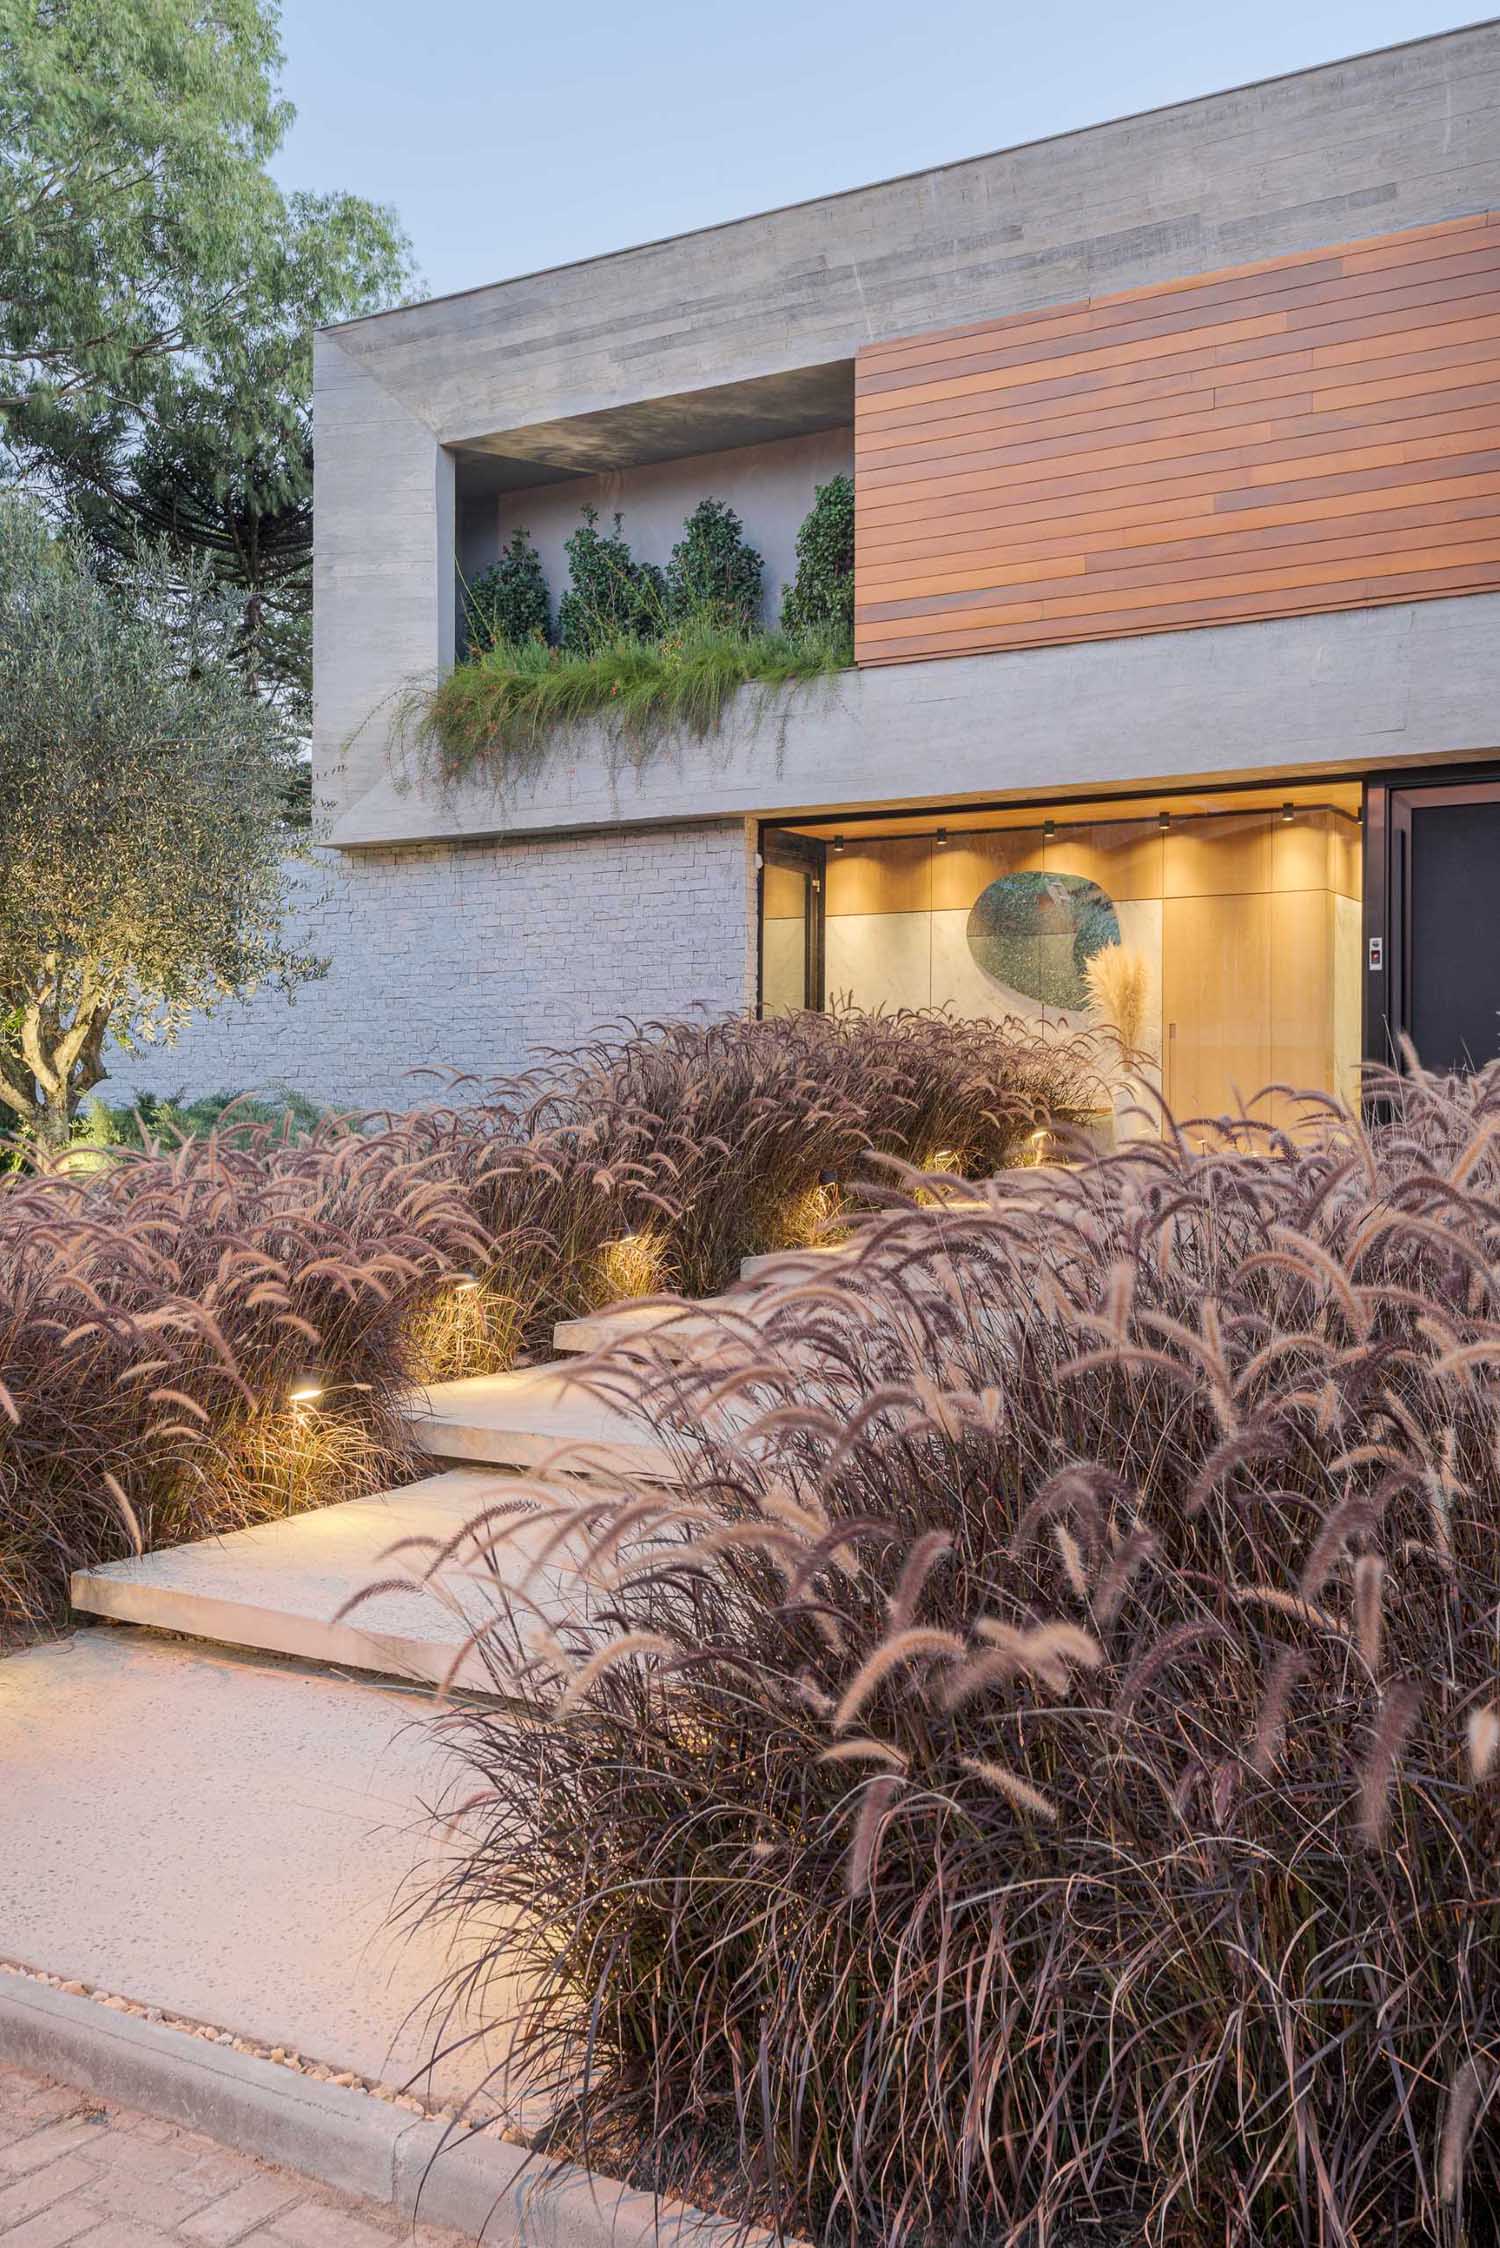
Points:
(755, 411)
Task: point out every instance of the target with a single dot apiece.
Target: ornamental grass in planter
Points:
(1035, 1779)
(501, 711)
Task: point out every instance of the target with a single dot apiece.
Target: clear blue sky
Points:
(511, 137)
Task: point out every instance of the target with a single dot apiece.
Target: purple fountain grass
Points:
(156, 1311)
(1036, 1776)
(155, 1318)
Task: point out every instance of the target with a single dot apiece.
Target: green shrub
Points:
(713, 572)
(509, 600)
(157, 1120)
(610, 595)
(820, 598)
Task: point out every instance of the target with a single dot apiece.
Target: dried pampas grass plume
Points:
(1119, 990)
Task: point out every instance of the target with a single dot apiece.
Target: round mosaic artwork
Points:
(1035, 932)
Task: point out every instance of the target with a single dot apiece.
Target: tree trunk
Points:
(56, 1065)
(53, 1123)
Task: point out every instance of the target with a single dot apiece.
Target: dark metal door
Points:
(1445, 900)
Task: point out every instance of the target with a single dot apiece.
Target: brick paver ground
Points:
(76, 2172)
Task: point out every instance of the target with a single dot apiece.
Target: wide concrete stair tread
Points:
(537, 1416)
(784, 1262)
(228, 1838)
(668, 1331)
(285, 1587)
(1021, 1179)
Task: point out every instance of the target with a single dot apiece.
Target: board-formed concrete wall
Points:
(1381, 142)
(1357, 690)
(452, 958)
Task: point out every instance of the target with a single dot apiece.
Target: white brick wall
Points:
(471, 958)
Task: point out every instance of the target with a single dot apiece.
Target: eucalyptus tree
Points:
(134, 136)
(158, 293)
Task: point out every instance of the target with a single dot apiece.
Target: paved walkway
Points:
(231, 1840)
(78, 2170)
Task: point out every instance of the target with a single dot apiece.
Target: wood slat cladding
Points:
(1315, 432)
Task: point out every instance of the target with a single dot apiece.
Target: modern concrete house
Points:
(1176, 453)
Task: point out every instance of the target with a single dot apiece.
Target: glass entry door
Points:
(1445, 922)
(791, 923)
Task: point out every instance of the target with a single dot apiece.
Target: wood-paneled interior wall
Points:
(1316, 432)
(1254, 969)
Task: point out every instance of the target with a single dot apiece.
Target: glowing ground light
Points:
(305, 1390)
(633, 1265)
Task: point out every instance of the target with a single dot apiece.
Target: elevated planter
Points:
(1244, 699)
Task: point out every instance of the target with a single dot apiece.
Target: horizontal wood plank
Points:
(1371, 253)
(1250, 334)
(1187, 540)
(1309, 433)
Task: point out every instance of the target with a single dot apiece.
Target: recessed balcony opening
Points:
(1219, 934)
(762, 446)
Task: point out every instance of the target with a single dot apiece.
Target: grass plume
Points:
(156, 1305)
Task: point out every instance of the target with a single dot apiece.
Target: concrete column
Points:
(383, 569)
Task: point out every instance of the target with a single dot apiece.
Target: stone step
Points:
(230, 1839)
(785, 1262)
(1020, 1179)
(537, 1417)
(670, 1330)
(282, 1587)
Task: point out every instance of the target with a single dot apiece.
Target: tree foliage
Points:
(820, 598)
(158, 294)
(141, 832)
(133, 141)
(508, 604)
(610, 595)
(714, 572)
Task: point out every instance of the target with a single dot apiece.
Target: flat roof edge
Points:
(924, 172)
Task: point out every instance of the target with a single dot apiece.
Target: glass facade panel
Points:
(785, 898)
(1224, 944)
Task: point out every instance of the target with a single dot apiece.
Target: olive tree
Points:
(142, 841)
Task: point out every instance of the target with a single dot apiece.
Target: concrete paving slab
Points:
(538, 1416)
(281, 1586)
(228, 1839)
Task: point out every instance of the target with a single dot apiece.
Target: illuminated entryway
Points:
(1219, 932)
